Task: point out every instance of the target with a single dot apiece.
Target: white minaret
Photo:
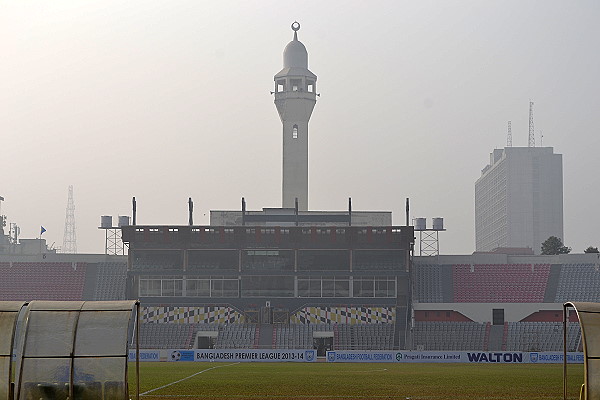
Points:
(295, 98)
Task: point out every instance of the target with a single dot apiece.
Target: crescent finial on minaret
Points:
(295, 28)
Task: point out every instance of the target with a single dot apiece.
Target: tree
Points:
(554, 245)
(591, 250)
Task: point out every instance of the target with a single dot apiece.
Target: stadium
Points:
(290, 284)
(195, 295)
(476, 302)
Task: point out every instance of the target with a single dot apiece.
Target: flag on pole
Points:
(42, 230)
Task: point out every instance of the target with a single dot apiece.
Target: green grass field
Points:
(192, 380)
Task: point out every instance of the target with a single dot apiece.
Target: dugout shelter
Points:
(589, 319)
(67, 349)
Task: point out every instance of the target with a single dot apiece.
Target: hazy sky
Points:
(164, 100)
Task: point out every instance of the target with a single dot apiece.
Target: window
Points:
(267, 286)
(296, 85)
(327, 286)
(310, 86)
(374, 287)
(280, 86)
(295, 132)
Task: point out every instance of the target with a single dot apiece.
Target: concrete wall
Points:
(482, 312)
(62, 257)
(359, 218)
(492, 258)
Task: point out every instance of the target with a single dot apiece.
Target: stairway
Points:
(496, 337)
(552, 285)
(266, 336)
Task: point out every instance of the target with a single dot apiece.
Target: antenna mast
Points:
(509, 136)
(531, 132)
(70, 236)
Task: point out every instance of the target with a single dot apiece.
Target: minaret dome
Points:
(295, 54)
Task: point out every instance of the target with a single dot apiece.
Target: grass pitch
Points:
(335, 381)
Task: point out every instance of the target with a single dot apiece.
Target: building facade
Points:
(275, 274)
(519, 199)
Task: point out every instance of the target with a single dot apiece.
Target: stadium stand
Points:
(366, 337)
(110, 281)
(578, 282)
(441, 335)
(166, 336)
(541, 336)
(429, 283)
(364, 327)
(500, 283)
(42, 281)
(295, 336)
(237, 336)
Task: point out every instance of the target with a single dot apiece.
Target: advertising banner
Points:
(145, 355)
(502, 357)
(552, 357)
(242, 355)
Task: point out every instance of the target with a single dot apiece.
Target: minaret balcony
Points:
(295, 95)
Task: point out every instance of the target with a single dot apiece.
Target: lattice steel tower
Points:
(70, 236)
(531, 130)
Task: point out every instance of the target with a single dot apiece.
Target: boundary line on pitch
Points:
(312, 396)
(186, 378)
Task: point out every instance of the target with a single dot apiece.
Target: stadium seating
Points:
(42, 281)
(542, 336)
(111, 280)
(297, 336)
(294, 336)
(428, 285)
(237, 336)
(500, 283)
(578, 282)
(166, 336)
(346, 336)
(365, 337)
(427, 335)
(439, 335)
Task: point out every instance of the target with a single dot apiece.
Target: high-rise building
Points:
(295, 98)
(519, 199)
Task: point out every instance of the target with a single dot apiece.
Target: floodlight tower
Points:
(295, 98)
(70, 235)
(531, 131)
(509, 135)
(2, 217)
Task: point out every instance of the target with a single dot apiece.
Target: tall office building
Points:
(519, 199)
